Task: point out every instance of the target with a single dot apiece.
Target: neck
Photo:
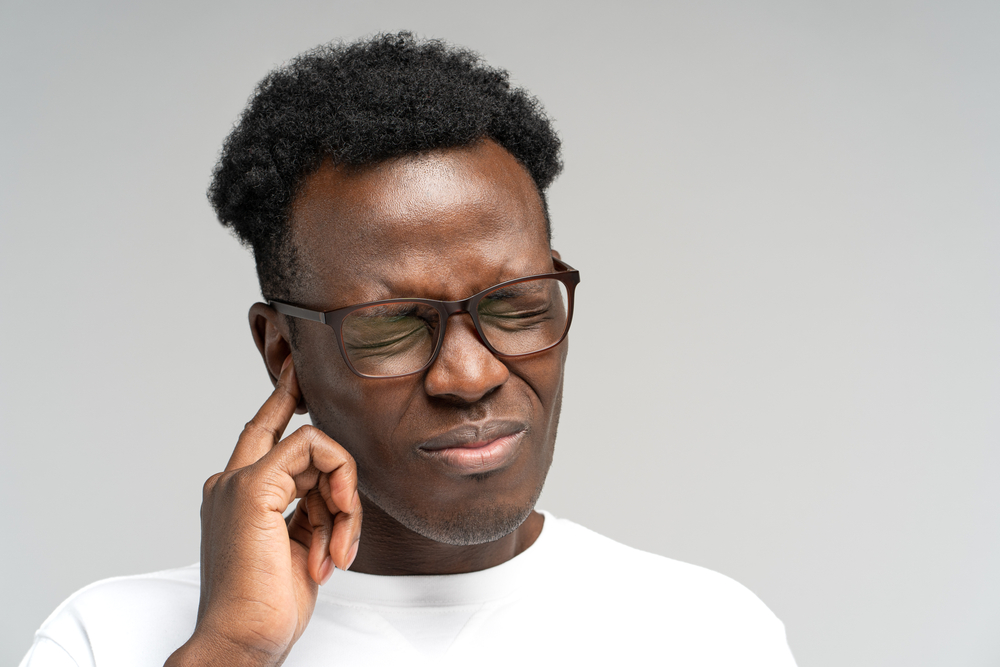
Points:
(389, 548)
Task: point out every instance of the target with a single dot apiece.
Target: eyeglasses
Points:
(396, 337)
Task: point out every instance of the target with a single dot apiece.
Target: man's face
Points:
(444, 225)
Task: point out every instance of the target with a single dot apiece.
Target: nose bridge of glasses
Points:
(457, 308)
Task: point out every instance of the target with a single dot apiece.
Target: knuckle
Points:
(311, 432)
(282, 390)
(233, 486)
(243, 479)
(254, 427)
(351, 472)
(350, 468)
(209, 485)
(266, 476)
(274, 484)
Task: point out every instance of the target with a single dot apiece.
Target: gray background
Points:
(786, 362)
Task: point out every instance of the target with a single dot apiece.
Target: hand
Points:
(259, 576)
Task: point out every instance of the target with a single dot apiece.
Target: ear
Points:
(555, 253)
(270, 334)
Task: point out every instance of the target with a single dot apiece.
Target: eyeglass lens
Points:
(399, 338)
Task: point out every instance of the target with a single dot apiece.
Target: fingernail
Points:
(356, 500)
(352, 554)
(325, 570)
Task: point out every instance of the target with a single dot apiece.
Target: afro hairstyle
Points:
(359, 104)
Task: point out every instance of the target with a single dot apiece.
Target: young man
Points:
(393, 193)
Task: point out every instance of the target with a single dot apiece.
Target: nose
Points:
(464, 371)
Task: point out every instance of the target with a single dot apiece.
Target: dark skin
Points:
(443, 225)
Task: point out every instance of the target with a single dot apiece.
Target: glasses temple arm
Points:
(295, 311)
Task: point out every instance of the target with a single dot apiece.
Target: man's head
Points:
(359, 104)
(390, 169)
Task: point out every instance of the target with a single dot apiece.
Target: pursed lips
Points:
(476, 448)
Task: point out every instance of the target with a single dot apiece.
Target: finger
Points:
(293, 467)
(321, 521)
(346, 536)
(303, 524)
(264, 431)
(343, 501)
(299, 529)
(305, 587)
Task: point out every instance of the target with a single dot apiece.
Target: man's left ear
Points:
(271, 336)
(555, 253)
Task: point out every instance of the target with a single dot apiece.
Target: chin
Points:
(475, 523)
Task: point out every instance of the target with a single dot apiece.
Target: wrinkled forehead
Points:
(470, 214)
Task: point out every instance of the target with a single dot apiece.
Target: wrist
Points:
(206, 649)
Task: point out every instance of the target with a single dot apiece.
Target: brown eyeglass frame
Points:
(335, 318)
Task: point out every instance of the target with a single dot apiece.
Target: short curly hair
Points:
(359, 104)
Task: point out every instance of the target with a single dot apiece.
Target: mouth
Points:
(476, 448)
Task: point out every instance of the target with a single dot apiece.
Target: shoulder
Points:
(125, 597)
(581, 547)
(606, 583)
(124, 618)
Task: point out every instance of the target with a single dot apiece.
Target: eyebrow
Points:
(382, 289)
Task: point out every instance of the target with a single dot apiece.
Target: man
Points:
(393, 193)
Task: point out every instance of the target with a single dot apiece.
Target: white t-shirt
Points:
(573, 597)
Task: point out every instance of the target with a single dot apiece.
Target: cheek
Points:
(543, 374)
(324, 378)
(359, 413)
(551, 390)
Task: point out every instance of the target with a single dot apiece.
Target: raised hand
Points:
(259, 576)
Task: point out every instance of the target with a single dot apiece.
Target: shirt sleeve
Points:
(47, 653)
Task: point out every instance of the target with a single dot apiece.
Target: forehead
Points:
(444, 224)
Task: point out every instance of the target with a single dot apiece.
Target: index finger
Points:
(265, 429)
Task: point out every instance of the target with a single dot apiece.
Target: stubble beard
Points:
(466, 526)
(479, 524)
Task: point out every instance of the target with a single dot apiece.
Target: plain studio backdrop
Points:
(786, 359)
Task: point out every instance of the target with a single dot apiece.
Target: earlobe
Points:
(271, 339)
